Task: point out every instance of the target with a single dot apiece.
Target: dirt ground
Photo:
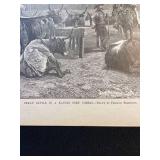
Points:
(88, 78)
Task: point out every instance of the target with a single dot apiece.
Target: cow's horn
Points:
(60, 9)
(49, 7)
(67, 11)
(84, 11)
(35, 13)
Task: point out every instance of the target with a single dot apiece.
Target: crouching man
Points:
(38, 57)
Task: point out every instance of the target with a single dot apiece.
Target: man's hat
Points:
(98, 6)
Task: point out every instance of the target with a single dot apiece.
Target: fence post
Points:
(73, 43)
(81, 47)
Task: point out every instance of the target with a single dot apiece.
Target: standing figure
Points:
(100, 26)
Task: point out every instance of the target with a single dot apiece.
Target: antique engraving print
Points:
(79, 55)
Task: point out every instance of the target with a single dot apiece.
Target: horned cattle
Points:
(75, 19)
(123, 55)
(38, 26)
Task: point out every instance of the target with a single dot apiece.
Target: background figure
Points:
(51, 27)
(126, 19)
(100, 26)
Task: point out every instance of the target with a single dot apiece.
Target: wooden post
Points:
(73, 43)
(77, 45)
(81, 47)
(97, 41)
(70, 41)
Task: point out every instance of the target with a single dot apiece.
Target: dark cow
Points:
(123, 55)
(76, 19)
(38, 57)
(30, 29)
